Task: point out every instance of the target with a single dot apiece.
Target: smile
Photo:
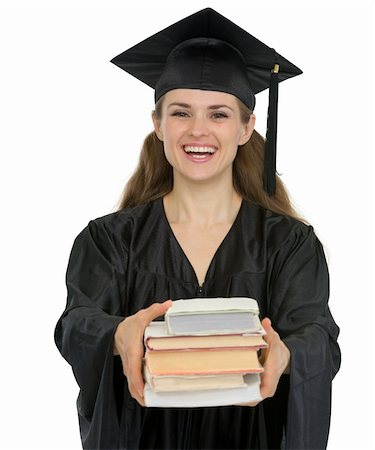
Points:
(199, 152)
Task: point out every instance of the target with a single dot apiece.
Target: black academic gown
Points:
(125, 261)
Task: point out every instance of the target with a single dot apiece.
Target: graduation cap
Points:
(209, 52)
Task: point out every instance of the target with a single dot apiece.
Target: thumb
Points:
(155, 310)
(266, 323)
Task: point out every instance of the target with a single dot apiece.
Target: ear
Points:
(157, 128)
(247, 130)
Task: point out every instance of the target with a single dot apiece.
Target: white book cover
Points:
(158, 329)
(205, 398)
(218, 304)
(213, 316)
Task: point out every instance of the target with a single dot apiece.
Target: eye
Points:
(179, 114)
(219, 115)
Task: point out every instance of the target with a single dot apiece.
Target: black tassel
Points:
(269, 180)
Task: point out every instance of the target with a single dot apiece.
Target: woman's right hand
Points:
(128, 343)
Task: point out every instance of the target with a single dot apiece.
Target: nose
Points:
(199, 127)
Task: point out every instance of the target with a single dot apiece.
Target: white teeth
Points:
(190, 149)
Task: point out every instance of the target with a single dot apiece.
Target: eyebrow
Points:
(186, 105)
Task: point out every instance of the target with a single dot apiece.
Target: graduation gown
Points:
(127, 260)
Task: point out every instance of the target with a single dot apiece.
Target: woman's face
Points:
(201, 132)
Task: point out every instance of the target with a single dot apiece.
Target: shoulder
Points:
(121, 224)
(278, 230)
(126, 217)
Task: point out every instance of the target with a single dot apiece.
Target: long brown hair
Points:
(153, 177)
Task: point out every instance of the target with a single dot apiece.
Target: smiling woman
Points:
(201, 131)
(153, 177)
(204, 215)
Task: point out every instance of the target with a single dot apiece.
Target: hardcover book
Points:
(157, 338)
(213, 316)
(205, 398)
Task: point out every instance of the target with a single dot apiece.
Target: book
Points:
(213, 316)
(156, 337)
(205, 398)
(203, 362)
(204, 354)
(168, 383)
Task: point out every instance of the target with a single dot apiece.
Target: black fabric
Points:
(207, 64)
(147, 60)
(269, 176)
(125, 261)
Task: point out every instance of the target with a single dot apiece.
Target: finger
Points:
(155, 310)
(271, 334)
(251, 404)
(267, 391)
(268, 384)
(134, 371)
(266, 323)
(134, 393)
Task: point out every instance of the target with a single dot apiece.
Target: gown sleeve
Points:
(84, 333)
(298, 309)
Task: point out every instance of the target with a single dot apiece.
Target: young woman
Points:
(195, 221)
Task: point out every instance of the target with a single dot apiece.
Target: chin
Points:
(204, 177)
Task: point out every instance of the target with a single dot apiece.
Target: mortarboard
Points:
(207, 51)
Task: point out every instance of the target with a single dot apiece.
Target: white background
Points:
(72, 125)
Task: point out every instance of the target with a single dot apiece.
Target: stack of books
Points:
(205, 353)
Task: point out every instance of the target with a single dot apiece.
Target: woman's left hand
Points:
(275, 361)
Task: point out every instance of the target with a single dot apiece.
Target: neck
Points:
(201, 203)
